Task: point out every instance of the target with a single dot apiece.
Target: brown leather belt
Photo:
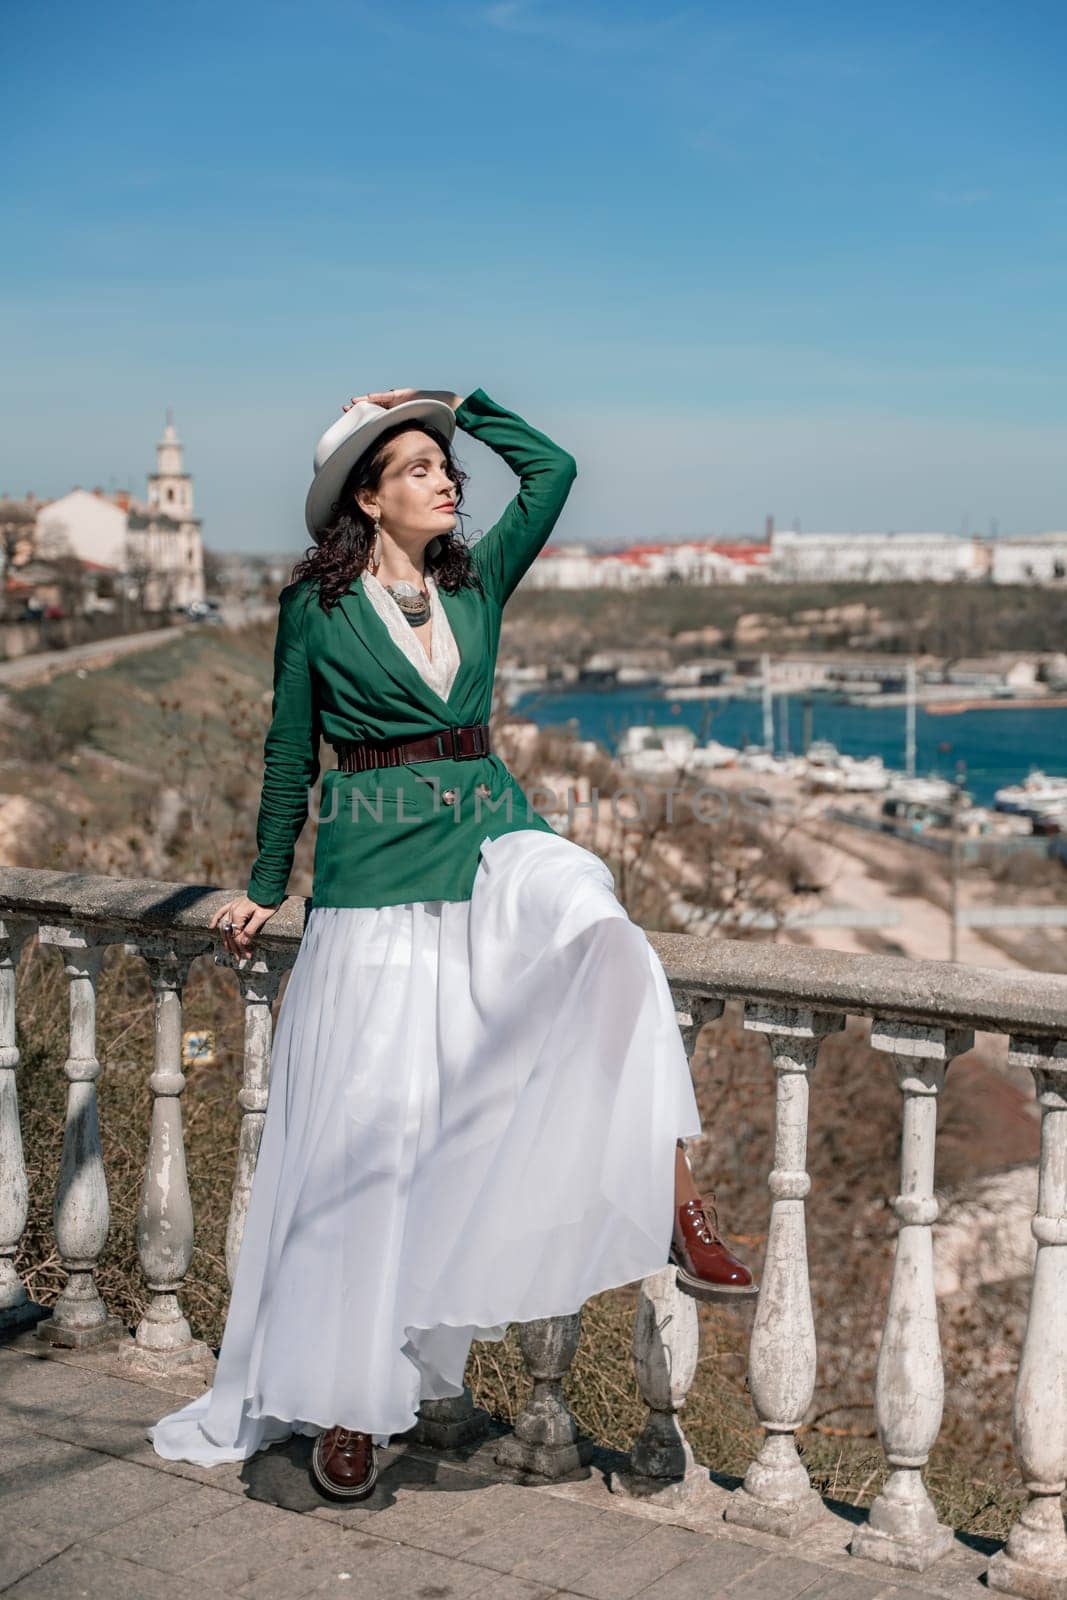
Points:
(447, 744)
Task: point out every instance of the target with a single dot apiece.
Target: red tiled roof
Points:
(637, 554)
(752, 553)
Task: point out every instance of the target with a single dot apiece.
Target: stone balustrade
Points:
(922, 1014)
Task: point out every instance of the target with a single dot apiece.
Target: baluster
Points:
(82, 1213)
(776, 1495)
(163, 1339)
(546, 1438)
(666, 1343)
(446, 1424)
(903, 1530)
(17, 1310)
(693, 1010)
(259, 986)
(666, 1346)
(1034, 1561)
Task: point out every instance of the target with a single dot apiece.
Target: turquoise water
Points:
(995, 747)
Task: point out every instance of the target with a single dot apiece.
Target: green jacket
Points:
(386, 836)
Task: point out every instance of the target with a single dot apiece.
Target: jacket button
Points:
(448, 796)
(483, 789)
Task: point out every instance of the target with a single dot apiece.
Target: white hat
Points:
(349, 438)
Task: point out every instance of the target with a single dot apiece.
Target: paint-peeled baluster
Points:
(546, 1438)
(163, 1339)
(902, 1529)
(1034, 1561)
(692, 1010)
(666, 1344)
(448, 1423)
(259, 987)
(777, 1496)
(17, 1310)
(82, 1211)
(666, 1347)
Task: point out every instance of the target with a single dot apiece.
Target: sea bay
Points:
(995, 747)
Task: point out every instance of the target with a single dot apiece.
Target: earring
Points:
(434, 546)
(376, 553)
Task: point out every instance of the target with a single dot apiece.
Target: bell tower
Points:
(170, 487)
(165, 550)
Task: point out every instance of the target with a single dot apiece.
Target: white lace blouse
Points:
(440, 671)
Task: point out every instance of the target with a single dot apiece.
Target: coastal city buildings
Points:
(150, 552)
(873, 557)
(791, 557)
(573, 566)
(1040, 559)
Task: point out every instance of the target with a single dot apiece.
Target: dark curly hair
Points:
(344, 549)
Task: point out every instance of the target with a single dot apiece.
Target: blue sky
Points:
(807, 259)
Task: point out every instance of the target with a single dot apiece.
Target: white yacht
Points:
(1037, 795)
(754, 758)
(827, 768)
(662, 750)
(920, 791)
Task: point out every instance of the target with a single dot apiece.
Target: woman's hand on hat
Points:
(241, 919)
(387, 398)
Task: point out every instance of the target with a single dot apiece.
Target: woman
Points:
(478, 1093)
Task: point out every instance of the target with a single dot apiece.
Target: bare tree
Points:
(17, 520)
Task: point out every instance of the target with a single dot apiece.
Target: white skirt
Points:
(471, 1121)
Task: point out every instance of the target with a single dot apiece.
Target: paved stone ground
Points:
(88, 1509)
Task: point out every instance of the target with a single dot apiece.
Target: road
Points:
(45, 664)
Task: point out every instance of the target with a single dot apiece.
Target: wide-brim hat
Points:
(350, 437)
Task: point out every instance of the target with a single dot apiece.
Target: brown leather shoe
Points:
(345, 1463)
(706, 1269)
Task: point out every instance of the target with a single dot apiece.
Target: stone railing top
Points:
(136, 905)
(997, 999)
(929, 992)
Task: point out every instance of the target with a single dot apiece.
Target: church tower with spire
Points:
(170, 487)
(165, 548)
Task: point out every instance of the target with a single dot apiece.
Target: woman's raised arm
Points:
(546, 473)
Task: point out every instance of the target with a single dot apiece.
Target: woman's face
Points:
(415, 496)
